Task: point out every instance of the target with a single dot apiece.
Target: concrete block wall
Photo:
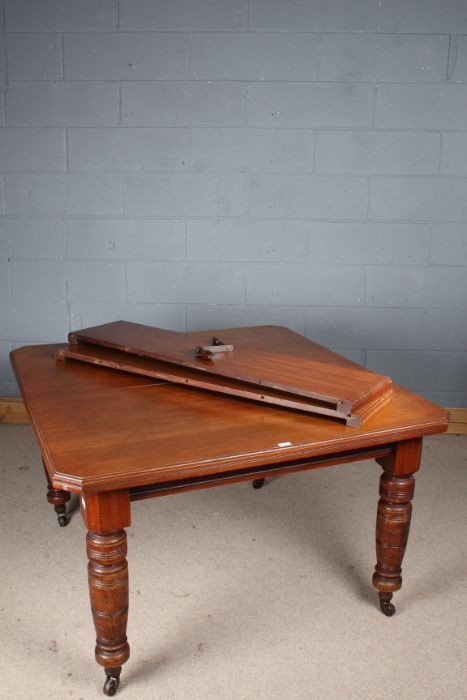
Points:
(203, 163)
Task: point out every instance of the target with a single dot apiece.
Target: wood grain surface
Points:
(100, 429)
(185, 376)
(266, 356)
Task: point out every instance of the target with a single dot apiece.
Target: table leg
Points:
(393, 519)
(106, 515)
(108, 589)
(392, 531)
(58, 499)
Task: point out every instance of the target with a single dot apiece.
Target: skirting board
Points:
(12, 410)
(457, 421)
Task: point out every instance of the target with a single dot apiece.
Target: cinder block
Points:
(60, 15)
(307, 196)
(6, 371)
(368, 244)
(94, 194)
(35, 194)
(168, 316)
(125, 239)
(305, 285)
(450, 399)
(278, 241)
(254, 56)
(62, 104)
(9, 389)
(422, 371)
(184, 15)
(274, 150)
(182, 103)
(126, 56)
(306, 105)
(444, 329)
(33, 56)
(458, 67)
(52, 195)
(32, 238)
(96, 281)
(422, 287)
(320, 15)
(448, 16)
(39, 322)
(128, 149)
(354, 355)
(3, 77)
(32, 149)
(389, 329)
(192, 283)
(421, 106)
(418, 198)
(385, 152)
(384, 57)
(454, 154)
(210, 316)
(364, 328)
(4, 280)
(449, 244)
(38, 280)
(175, 194)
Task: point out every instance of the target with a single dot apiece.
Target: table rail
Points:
(166, 488)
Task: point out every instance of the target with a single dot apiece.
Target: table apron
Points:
(166, 488)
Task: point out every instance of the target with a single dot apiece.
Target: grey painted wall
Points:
(202, 163)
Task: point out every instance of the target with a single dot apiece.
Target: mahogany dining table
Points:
(115, 438)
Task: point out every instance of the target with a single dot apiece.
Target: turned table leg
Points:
(393, 519)
(392, 532)
(58, 499)
(108, 589)
(106, 515)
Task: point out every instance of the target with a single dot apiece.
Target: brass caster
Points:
(258, 483)
(387, 608)
(112, 681)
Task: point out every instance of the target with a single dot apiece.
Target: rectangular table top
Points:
(100, 429)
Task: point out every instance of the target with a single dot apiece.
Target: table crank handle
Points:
(208, 352)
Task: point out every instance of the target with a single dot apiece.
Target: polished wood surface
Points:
(187, 377)
(116, 438)
(13, 410)
(109, 595)
(100, 429)
(265, 356)
(392, 532)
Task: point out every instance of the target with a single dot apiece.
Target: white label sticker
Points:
(284, 444)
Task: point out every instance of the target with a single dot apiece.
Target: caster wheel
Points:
(387, 608)
(258, 483)
(112, 682)
(62, 520)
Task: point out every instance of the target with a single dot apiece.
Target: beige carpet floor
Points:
(239, 594)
